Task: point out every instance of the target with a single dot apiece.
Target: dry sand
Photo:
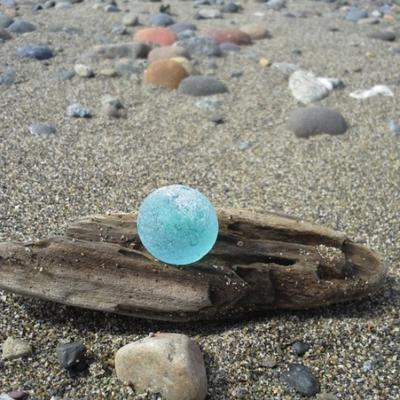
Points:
(350, 183)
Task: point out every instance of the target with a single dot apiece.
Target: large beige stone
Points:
(15, 348)
(168, 363)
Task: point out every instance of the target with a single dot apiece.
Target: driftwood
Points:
(260, 262)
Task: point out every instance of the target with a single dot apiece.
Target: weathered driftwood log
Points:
(260, 262)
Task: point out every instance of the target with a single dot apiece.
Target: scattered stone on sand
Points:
(130, 20)
(119, 29)
(165, 73)
(160, 53)
(216, 118)
(115, 51)
(7, 77)
(309, 121)
(368, 21)
(269, 362)
(20, 26)
(39, 129)
(374, 91)
(300, 378)
(229, 35)
(35, 51)
(300, 347)
(201, 86)
(231, 7)
(4, 35)
(5, 396)
(72, 356)
(201, 46)
(326, 396)
(185, 64)
(386, 36)
(180, 27)
(77, 110)
(161, 19)
(15, 348)
(64, 74)
(355, 14)
(228, 47)
(208, 13)
(85, 71)
(208, 104)
(276, 5)
(287, 69)
(113, 107)
(5, 21)
(256, 31)
(111, 8)
(264, 62)
(18, 395)
(63, 5)
(167, 363)
(156, 35)
(306, 87)
(394, 126)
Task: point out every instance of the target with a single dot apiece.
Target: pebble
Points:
(64, 74)
(286, 68)
(15, 348)
(368, 21)
(4, 35)
(356, 14)
(180, 27)
(111, 8)
(374, 91)
(208, 13)
(76, 110)
(18, 395)
(119, 29)
(39, 129)
(71, 356)
(386, 36)
(63, 5)
(83, 70)
(21, 26)
(208, 104)
(156, 35)
(165, 73)
(217, 118)
(269, 362)
(300, 348)
(228, 47)
(326, 396)
(309, 121)
(394, 126)
(160, 53)
(167, 363)
(161, 19)
(201, 46)
(113, 107)
(7, 77)
(276, 4)
(5, 396)
(116, 51)
(306, 87)
(35, 51)
(229, 35)
(231, 8)
(5, 21)
(130, 20)
(300, 378)
(201, 86)
(256, 31)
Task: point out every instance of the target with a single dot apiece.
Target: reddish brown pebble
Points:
(156, 35)
(165, 73)
(166, 52)
(229, 35)
(256, 31)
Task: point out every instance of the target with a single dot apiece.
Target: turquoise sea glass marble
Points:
(177, 224)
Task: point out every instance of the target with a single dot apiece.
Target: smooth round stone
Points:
(386, 36)
(21, 27)
(201, 46)
(161, 19)
(5, 21)
(35, 51)
(18, 395)
(165, 73)
(165, 52)
(229, 35)
(155, 35)
(256, 31)
(309, 121)
(355, 14)
(177, 224)
(230, 8)
(180, 27)
(201, 86)
(130, 19)
(42, 129)
(300, 378)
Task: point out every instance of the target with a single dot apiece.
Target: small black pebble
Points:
(72, 356)
(300, 348)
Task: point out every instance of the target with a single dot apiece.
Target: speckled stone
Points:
(39, 129)
(76, 110)
(202, 86)
(156, 35)
(300, 378)
(15, 348)
(165, 73)
(201, 46)
(161, 19)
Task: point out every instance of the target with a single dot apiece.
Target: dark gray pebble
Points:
(5, 21)
(230, 8)
(72, 356)
(386, 36)
(4, 35)
(182, 26)
(300, 378)
(201, 86)
(35, 51)
(201, 46)
(161, 19)
(309, 121)
(300, 348)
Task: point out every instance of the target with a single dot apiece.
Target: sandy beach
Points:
(348, 182)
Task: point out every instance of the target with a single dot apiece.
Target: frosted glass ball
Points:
(177, 224)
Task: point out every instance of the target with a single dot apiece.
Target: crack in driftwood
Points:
(260, 262)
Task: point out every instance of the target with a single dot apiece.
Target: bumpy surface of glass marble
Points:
(177, 224)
